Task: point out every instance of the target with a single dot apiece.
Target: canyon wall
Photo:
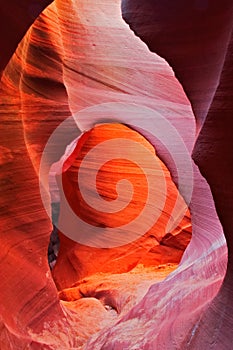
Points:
(168, 76)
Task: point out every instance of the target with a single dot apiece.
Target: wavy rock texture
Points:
(79, 55)
(207, 78)
(13, 28)
(154, 248)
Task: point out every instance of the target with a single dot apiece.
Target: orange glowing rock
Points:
(151, 248)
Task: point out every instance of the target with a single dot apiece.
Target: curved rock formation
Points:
(192, 36)
(125, 248)
(202, 60)
(80, 57)
(13, 27)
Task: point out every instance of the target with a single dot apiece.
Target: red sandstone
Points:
(52, 76)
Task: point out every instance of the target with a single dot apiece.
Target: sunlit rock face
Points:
(81, 59)
(122, 249)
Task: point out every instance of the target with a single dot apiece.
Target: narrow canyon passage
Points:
(98, 126)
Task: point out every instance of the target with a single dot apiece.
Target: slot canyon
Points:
(116, 175)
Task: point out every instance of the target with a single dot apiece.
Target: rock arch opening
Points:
(117, 276)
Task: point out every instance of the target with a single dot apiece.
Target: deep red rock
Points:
(16, 18)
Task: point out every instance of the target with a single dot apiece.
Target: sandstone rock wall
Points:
(79, 55)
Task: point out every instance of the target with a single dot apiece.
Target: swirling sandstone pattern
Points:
(79, 54)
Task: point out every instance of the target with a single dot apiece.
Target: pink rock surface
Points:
(76, 57)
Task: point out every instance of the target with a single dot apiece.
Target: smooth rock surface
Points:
(79, 55)
(153, 248)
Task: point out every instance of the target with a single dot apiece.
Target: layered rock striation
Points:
(80, 65)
